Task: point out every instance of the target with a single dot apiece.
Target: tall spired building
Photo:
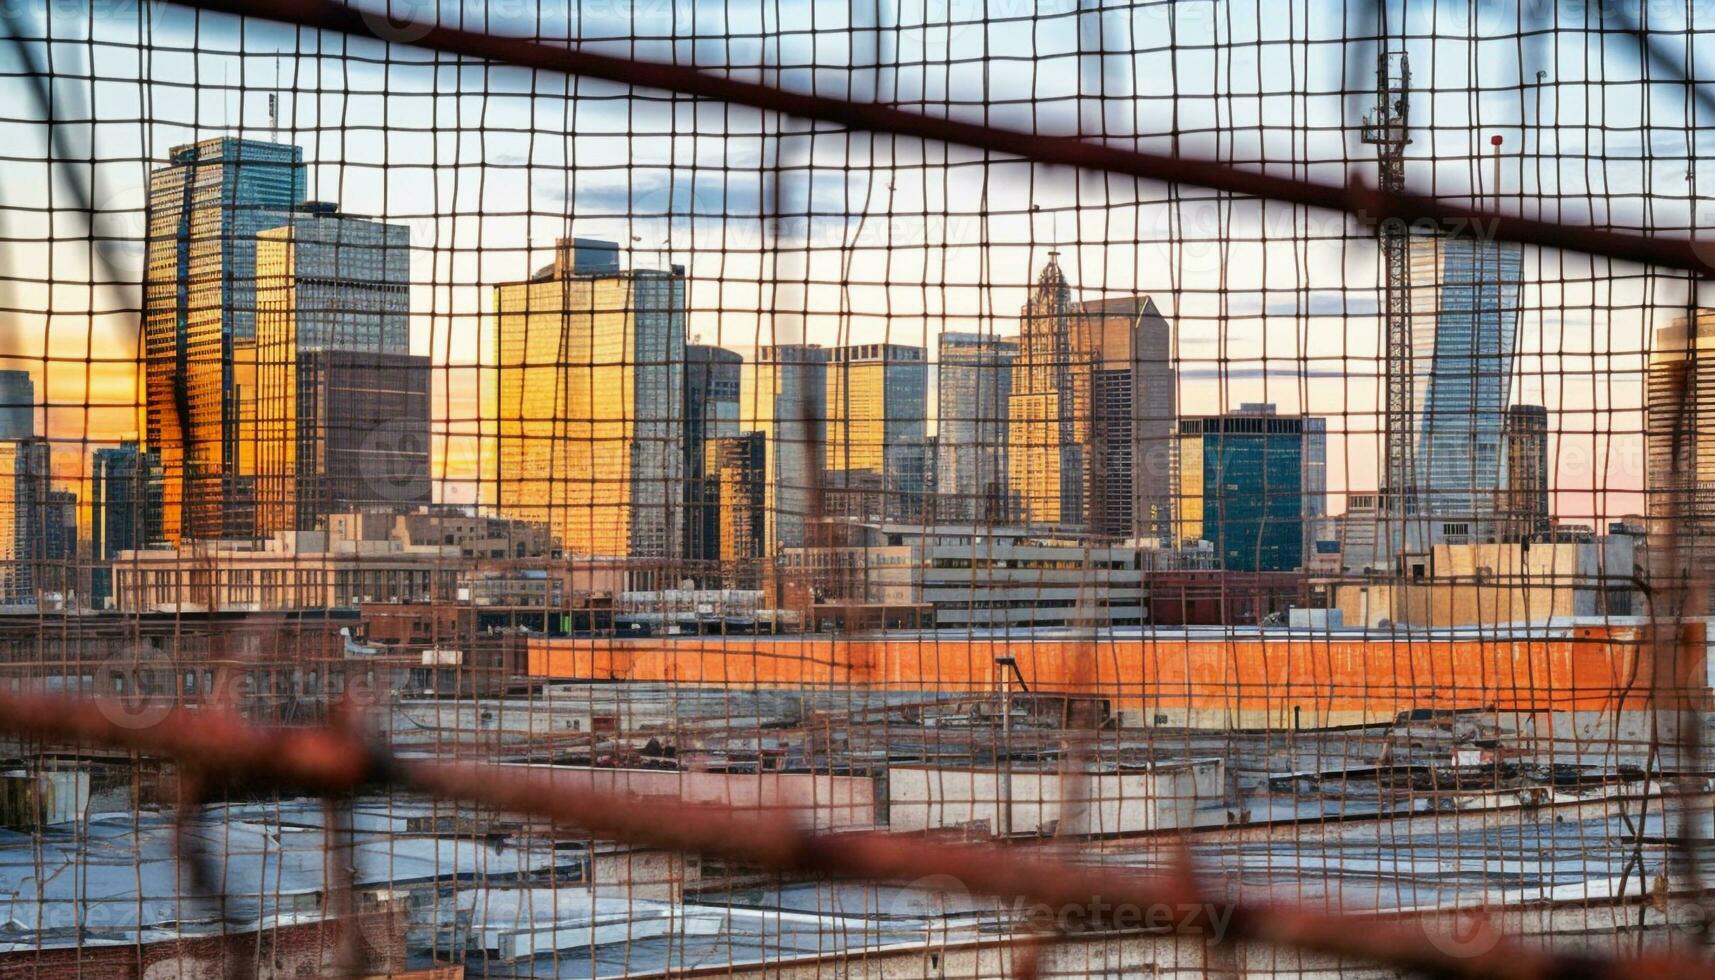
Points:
(1048, 422)
(1464, 322)
(1090, 430)
(206, 207)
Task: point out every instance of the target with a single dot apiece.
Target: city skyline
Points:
(1075, 319)
(786, 488)
(1315, 323)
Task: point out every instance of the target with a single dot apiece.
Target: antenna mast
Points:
(1386, 128)
(274, 104)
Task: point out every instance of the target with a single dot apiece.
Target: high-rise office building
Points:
(973, 393)
(591, 365)
(361, 439)
(1241, 487)
(736, 468)
(1679, 428)
(711, 412)
(1464, 321)
(205, 209)
(1523, 507)
(783, 396)
(58, 569)
(1315, 480)
(124, 510)
(242, 407)
(1048, 421)
(17, 405)
(1122, 357)
(337, 417)
(24, 488)
(931, 468)
(877, 430)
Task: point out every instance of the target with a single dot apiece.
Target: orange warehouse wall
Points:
(1256, 679)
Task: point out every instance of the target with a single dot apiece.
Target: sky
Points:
(797, 232)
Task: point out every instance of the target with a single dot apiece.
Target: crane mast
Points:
(1386, 128)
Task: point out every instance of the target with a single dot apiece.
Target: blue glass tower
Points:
(1242, 487)
(124, 510)
(1464, 317)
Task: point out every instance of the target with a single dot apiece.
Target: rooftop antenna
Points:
(274, 104)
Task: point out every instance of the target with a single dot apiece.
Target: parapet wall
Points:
(1250, 679)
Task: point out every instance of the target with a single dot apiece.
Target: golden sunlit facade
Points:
(1048, 421)
(1679, 448)
(199, 298)
(590, 367)
(877, 400)
(857, 411)
(1090, 429)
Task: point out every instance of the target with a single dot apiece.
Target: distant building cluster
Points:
(282, 398)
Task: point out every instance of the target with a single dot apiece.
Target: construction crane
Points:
(1385, 127)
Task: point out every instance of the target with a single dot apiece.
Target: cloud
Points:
(1325, 302)
(714, 195)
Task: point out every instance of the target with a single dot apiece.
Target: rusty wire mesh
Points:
(564, 490)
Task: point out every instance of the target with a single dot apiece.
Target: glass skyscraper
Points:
(199, 299)
(973, 391)
(124, 510)
(711, 412)
(591, 365)
(1242, 486)
(1464, 325)
(877, 403)
(17, 405)
(338, 415)
(783, 395)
